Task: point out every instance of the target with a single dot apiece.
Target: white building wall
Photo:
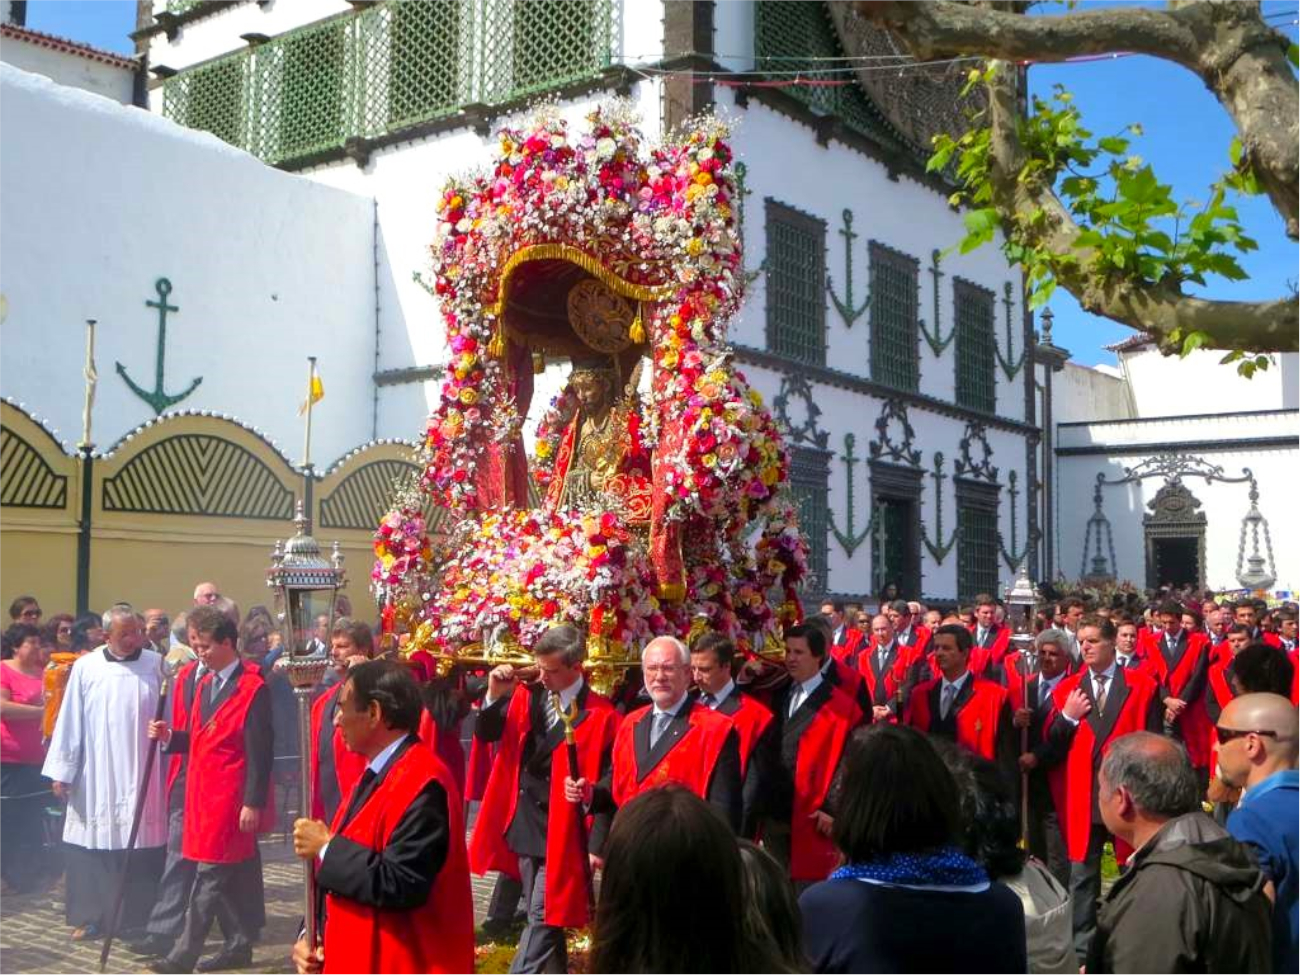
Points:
(1117, 446)
(1160, 384)
(219, 33)
(266, 268)
(110, 80)
(1084, 394)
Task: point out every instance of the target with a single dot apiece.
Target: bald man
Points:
(206, 593)
(1257, 753)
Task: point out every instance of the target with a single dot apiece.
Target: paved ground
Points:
(35, 938)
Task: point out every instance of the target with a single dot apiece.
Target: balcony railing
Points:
(387, 69)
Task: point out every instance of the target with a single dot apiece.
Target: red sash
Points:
(690, 762)
(1072, 782)
(447, 746)
(987, 661)
(853, 639)
(1294, 657)
(348, 765)
(566, 884)
(813, 856)
(437, 936)
(214, 778)
(977, 720)
(750, 722)
(1194, 724)
(904, 657)
(481, 756)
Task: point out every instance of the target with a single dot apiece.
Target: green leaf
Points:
(1113, 144)
(1293, 54)
(1235, 150)
(1193, 342)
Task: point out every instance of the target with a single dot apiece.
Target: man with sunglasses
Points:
(1257, 753)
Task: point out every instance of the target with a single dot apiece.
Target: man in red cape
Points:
(992, 640)
(814, 720)
(846, 638)
(392, 866)
(1181, 659)
(334, 769)
(673, 739)
(229, 748)
(909, 631)
(890, 668)
(1092, 708)
(526, 827)
(961, 705)
(712, 659)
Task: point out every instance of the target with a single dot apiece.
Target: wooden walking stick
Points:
(1023, 663)
(141, 797)
(568, 716)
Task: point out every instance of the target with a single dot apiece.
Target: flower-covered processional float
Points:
(656, 500)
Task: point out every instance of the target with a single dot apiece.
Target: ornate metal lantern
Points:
(305, 584)
(1021, 598)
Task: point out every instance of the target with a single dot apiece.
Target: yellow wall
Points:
(152, 558)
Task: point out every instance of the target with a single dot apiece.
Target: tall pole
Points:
(307, 487)
(86, 451)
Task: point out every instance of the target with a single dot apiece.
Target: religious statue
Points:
(596, 440)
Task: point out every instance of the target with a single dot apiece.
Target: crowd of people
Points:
(905, 789)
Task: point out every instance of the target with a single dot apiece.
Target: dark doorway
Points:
(895, 544)
(1176, 561)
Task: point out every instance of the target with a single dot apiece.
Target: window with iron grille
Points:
(973, 309)
(557, 42)
(977, 539)
(810, 488)
(895, 278)
(796, 272)
(425, 59)
(211, 98)
(311, 89)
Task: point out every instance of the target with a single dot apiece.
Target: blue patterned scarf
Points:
(947, 866)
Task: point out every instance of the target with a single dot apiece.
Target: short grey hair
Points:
(116, 612)
(683, 654)
(180, 627)
(1057, 638)
(1155, 771)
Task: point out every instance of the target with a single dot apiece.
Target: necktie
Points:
(882, 655)
(661, 720)
(1044, 692)
(360, 793)
(707, 699)
(949, 695)
(1099, 688)
(796, 699)
(1122, 660)
(214, 689)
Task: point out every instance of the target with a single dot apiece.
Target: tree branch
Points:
(1228, 45)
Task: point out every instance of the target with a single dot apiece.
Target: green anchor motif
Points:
(158, 398)
(938, 548)
(850, 540)
(1013, 558)
(1008, 367)
(845, 307)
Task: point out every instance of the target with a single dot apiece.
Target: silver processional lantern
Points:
(306, 584)
(1021, 598)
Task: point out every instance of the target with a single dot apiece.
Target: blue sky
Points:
(1186, 140)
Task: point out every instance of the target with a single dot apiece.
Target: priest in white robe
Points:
(96, 762)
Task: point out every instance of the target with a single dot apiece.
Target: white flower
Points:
(605, 148)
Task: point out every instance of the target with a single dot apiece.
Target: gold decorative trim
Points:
(565, 252)
(672, 591)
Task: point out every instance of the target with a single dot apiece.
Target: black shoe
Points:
(226, 958)
(168, 965)
(153, 946)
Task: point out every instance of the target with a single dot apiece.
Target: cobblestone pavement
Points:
(35, 938)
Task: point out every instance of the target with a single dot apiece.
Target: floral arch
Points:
(702, 531)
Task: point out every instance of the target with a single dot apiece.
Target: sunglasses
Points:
(1230, 734)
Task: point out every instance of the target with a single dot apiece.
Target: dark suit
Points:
(1007, 748)
(541, 947)
(1045, 839)
(758, 771)
(725, 791)
(401, 875)
(230, 893)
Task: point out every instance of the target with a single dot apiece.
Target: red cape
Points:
(214, 778)
(437, 936)
(813, 856)
(750, 722)
(1194, 723)
(447, 746)
(987, 661)
(690, 762)
(182, 692)
(853, 640)
(977, 720)
(905, 657)
(1072, 781)
(566, 896)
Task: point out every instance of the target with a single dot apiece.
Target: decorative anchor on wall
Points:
(850, 540)
(938, 549)
(845, 307)
(936, 342)
(158, 398)
(1012, 558)
(1007, 367)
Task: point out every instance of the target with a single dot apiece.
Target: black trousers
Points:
(541, 947)
(167, 919)
(1046, 842)
(506, 893)
(218, 888)
(24, 795)
(92, 882)
(1085, 890)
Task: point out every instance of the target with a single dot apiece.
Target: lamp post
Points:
(1021, 598)
(305, 584)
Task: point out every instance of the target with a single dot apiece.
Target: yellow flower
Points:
(709, 460)
(543, 449)
(769, 476)
(669, 360)
(469, 396)
(695, 247)
(703, 177)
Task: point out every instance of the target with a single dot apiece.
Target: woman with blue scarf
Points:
(907, 899)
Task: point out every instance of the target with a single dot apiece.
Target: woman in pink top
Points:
(24, 792)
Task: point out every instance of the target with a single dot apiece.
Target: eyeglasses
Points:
(668, 670)
(1229, 734)
(33, 613)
